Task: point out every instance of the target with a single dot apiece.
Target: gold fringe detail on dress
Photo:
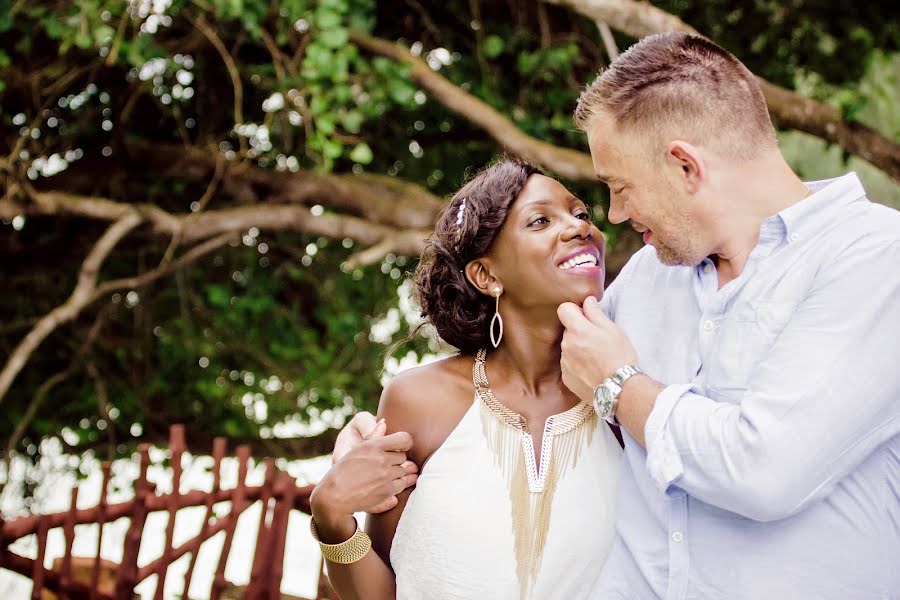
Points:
(531, 489)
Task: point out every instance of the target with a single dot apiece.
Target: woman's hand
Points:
(366, 477)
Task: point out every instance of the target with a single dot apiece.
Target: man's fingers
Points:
(410, 467)
(395, 458)
(591, 309)
(363, 423)
(399, 441)
(377, 431)
(384, 506)
(398, 485)
(570, 315)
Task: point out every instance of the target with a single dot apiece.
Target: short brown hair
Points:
(466, 230)
(683, 85)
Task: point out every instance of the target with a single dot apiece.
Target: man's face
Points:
(647, 191)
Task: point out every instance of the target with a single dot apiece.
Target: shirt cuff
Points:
(663, 459)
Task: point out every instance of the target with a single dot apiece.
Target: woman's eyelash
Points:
(582, 215)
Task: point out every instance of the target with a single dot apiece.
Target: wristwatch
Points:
(606, 395)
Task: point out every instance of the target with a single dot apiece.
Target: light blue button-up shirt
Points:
(772, 468)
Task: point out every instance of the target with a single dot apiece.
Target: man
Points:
(762, 437)
(760, 334)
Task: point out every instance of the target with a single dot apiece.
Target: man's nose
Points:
(617, 212)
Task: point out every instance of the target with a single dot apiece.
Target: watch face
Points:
(603, 400)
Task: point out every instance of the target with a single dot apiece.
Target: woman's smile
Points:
(585, 261)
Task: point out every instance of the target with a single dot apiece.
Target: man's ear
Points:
(479, 274)
(688, 161)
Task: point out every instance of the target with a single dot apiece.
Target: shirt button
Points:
(708, 325)
(677, 537)
(707, 268)
(794, 237)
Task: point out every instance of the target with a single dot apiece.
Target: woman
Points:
(516, 495)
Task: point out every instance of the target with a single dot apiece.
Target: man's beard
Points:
(675, 255)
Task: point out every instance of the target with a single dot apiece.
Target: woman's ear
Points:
(479, 274)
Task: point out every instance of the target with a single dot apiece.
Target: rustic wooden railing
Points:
(278, 494)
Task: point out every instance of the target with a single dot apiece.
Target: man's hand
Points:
(365, 479)
(362, 424)
(593, 347)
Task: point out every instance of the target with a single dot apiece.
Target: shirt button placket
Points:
(679, 561)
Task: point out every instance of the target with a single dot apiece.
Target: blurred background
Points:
(211, 208)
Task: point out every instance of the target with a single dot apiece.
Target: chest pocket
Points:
(744, 339)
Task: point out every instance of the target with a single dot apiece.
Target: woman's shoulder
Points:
(451, 374)
(428, 401)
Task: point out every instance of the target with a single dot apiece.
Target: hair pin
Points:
(461, 212)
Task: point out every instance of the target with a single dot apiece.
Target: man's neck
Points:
(760, 189)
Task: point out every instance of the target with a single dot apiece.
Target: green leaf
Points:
(218, 296)
(334, 38)
(333, 148)
(352, 121)
(327, 19)
(6, 21)
(528, 62)
(401, 91)
(340, 6)
(493, 46)
(361, 154)
(325, 123)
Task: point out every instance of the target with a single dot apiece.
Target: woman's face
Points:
(548, 250)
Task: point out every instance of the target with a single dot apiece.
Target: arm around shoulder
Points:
(374, 475)
(408, 404)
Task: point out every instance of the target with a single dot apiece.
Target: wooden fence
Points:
(278, 494)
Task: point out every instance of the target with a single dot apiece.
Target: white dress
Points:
(486, 522)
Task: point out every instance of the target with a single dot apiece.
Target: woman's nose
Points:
(576, 227)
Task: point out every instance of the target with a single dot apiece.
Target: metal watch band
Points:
(606, 395)
(624, 373)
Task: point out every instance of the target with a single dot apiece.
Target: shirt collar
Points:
(828, 196)
(794, 222)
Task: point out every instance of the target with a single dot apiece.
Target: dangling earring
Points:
(498, 320)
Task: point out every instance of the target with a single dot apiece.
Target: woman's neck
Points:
(529, 354)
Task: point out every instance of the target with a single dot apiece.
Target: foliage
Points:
(276, 328)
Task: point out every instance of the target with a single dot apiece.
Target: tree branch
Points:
(609, 43)
(81, 296)
(195, 253)
(379, 198)
(788, 109)
(272, 217)
(565, 162)
(49, 384)
(372, 254)
(201, 24)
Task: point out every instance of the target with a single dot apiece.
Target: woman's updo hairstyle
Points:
(464, 231)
